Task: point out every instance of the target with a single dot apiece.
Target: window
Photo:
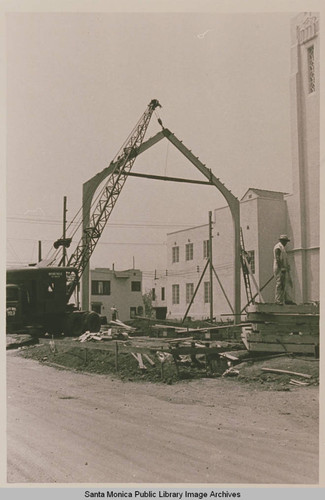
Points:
(97, 308)
(189, 292)
(153, 293)
(311, 69)
(175, 294)
(175, 254)
(100, 287)
(189, 251)
(135, 286)
(207, 292)
(133, 312)
(206, 249)
(251, 260)
(12, 293)
(163, 293)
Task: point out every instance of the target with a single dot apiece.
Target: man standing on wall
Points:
(281, 269)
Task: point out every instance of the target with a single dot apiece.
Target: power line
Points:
(100, 243)
(113, 224)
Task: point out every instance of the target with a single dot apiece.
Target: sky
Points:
(77, 83)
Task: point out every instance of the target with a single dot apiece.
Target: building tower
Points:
(303, 204)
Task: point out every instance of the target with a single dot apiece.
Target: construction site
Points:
(245, 321)
(42, 299)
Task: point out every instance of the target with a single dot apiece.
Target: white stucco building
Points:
(122, 289)
(188, 251)
(264, 214)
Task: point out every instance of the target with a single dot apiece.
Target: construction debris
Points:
(149, 360)
(229, 356)
(298, 382)
(110, 334)
(119, 324)
(175, 359)
(276, 370)
(138, 357)
(87, 337)
(231, 372)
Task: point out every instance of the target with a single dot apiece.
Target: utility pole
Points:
(64, 249)
(64, 241)
(39, 251)
(210, 266)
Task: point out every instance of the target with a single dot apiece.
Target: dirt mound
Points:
(257, 371)
(104, 362)
(85, 359)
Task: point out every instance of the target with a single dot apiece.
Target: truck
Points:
(39, 297)
(36, 303)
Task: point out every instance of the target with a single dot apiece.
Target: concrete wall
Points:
(121, 294)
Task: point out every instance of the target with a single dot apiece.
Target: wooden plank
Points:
(141, 364)
(299, 382)
(138, 357)
(284, 319)
(149, 359)
(284, 338)
(184, 339)
(288, 372)
(229, 356)
(278, 348)
(284, 309)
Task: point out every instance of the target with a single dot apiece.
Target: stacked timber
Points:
(282, 328)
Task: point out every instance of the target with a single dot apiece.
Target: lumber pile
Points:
(275, 328)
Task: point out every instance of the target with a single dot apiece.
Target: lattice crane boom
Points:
(102, 211)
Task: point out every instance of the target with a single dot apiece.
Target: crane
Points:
(123, 161)
(38, 297)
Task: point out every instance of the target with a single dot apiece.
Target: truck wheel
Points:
(93, 322)
(73, 325)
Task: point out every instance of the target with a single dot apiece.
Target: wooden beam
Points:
(164, 178)
(287, 372)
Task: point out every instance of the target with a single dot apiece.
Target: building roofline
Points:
(258, 190)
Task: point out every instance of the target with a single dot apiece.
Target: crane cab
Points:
(37, 296)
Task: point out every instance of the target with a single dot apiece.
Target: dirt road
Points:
(67, 427)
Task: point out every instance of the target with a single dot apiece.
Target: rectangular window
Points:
(153, 293)
(175, 254)
(135, 286)
(251, 260)
(189, 251)
(133, 312)
(100, 287)
(206, 249)
(311, 69)
(207, 292)
(163, 293)
(189, 292)
(175, 294)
